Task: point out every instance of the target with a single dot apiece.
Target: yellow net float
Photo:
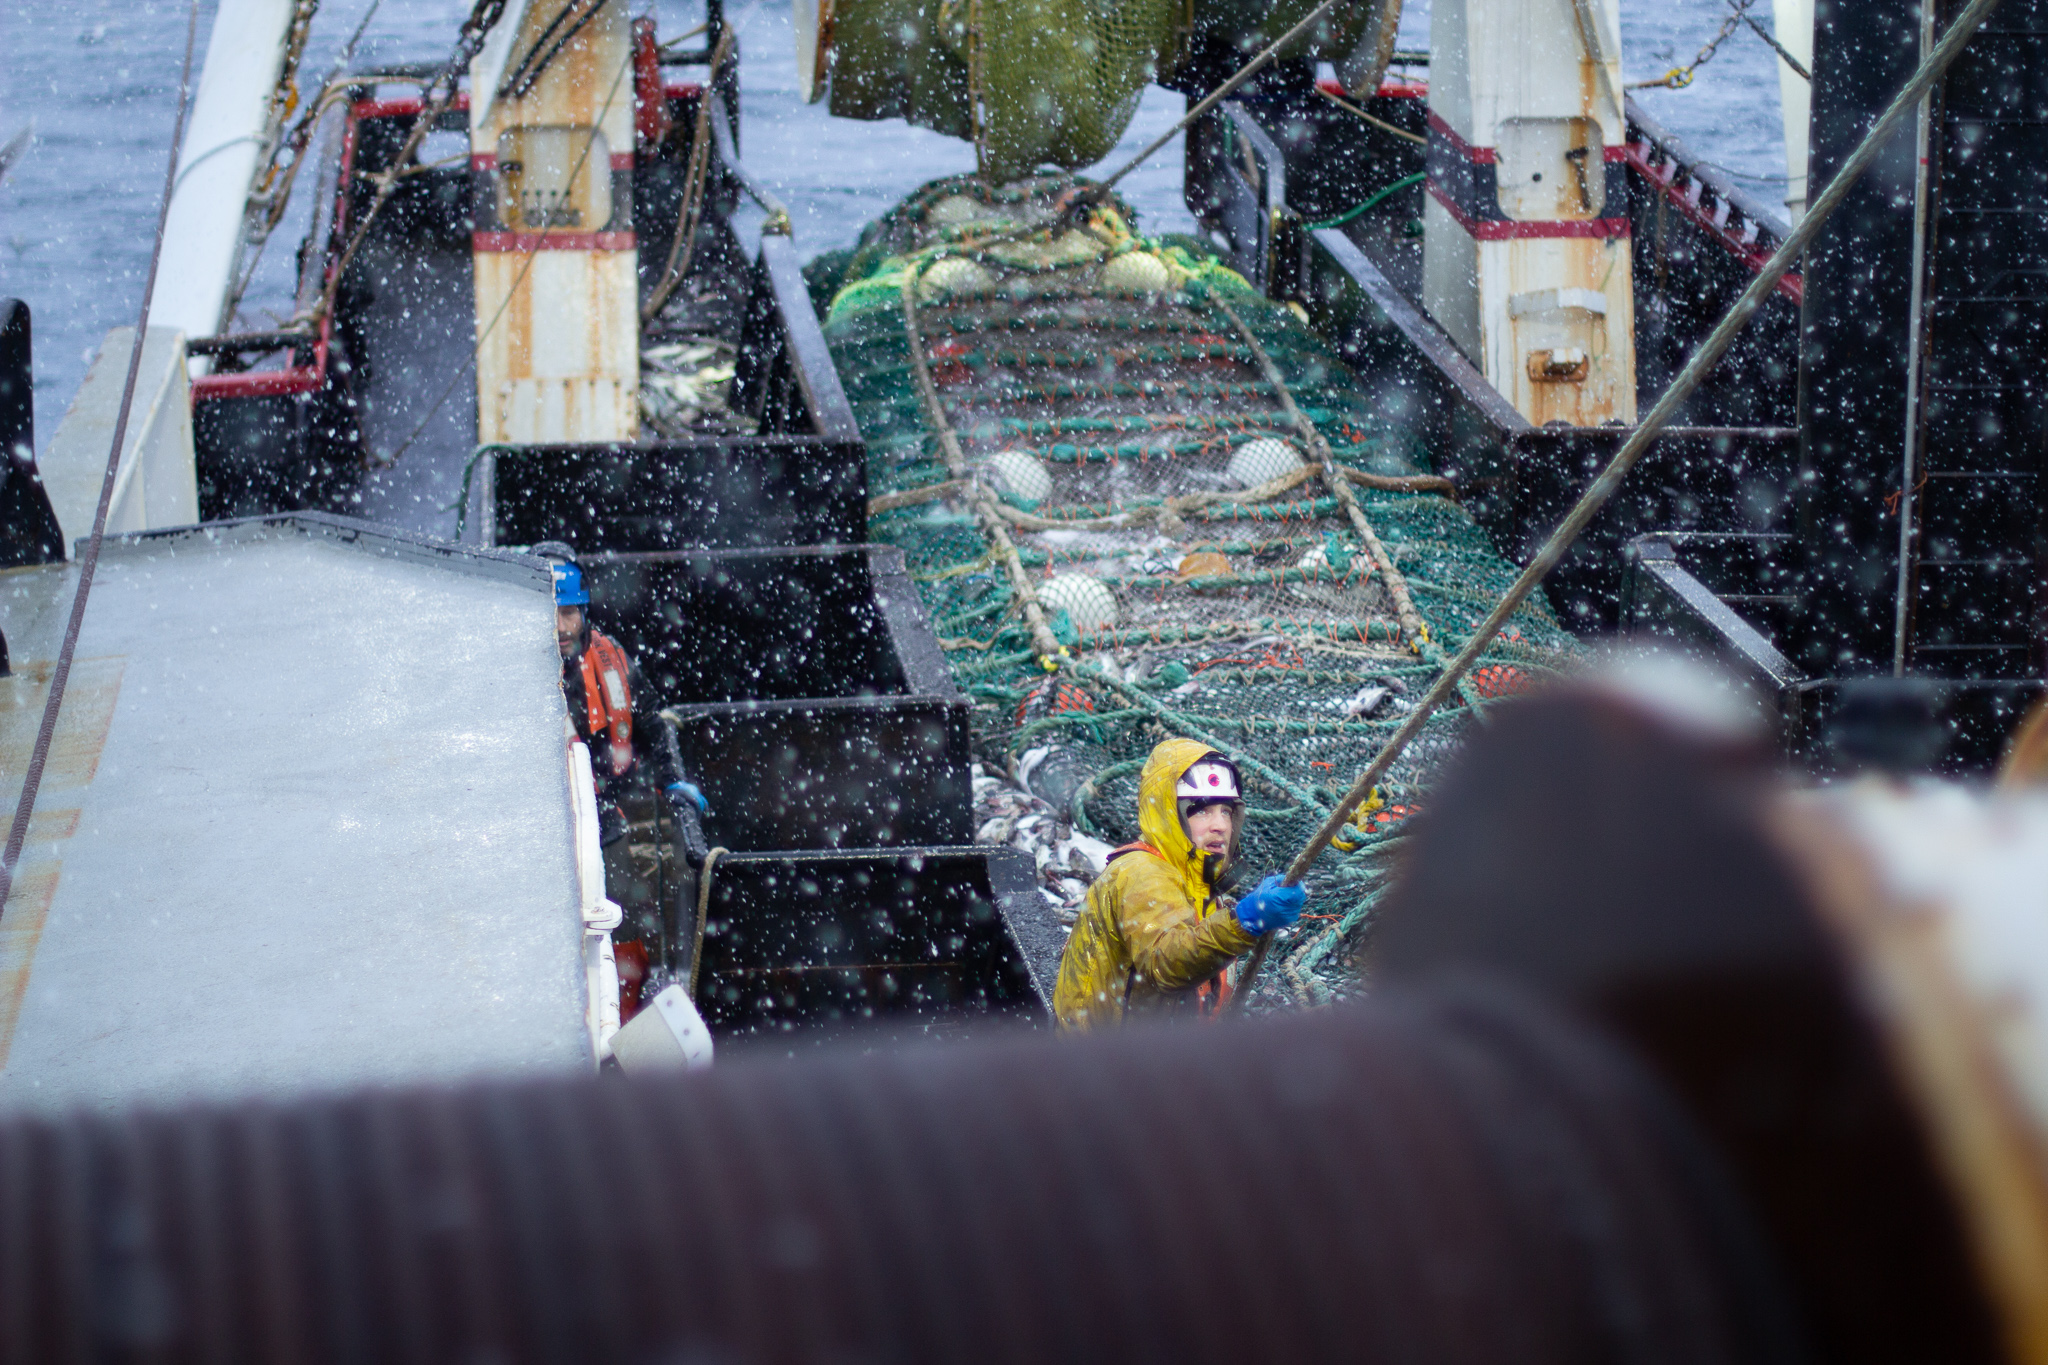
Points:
(1136, 272)
(954, 277)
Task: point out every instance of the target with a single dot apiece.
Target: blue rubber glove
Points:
(689, 789)
(1272, 906)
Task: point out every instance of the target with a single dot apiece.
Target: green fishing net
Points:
(1090, 377)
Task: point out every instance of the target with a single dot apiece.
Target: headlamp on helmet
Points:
(1211, 779)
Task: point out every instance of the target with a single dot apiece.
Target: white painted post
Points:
(218, 165)
(1525, 231)
(1794, 23)
(156, 484)
(600, 914)
(557, 302)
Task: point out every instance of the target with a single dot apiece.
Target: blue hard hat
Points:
(569, 589)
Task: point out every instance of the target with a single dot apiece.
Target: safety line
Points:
(32, 780)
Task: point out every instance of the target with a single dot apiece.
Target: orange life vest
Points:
(608, 698)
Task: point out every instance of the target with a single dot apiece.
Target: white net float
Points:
(955, 277)
(1088, 602)
(953, 210)
(1136, 272)
(1263, 461)
(1021, 475)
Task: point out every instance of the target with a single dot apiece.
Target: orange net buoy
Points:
(1500, 680)
(1384, 820)
(1050, 699)
(1202, 564)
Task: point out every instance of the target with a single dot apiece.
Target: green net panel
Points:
(1089, 378)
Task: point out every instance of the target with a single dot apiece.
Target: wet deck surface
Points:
(306, 826)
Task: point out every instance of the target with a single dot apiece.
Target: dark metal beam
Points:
(1853, 349)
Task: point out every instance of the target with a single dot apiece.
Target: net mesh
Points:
(1201, 575)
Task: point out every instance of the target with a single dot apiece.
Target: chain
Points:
(287, 151)
(265, 206)
(284, 98)
(1679, 77)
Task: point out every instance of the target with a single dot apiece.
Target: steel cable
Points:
(46, 733)
(1639, 441)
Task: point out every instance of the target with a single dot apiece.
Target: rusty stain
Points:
(1550, 141)
(53, 826)
(21, 931)
(82, 724)
(1608, 389)
(534, 386)
(577, 380)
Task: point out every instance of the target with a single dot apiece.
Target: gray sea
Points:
(96, 79)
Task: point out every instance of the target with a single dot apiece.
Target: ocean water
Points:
(96, 79)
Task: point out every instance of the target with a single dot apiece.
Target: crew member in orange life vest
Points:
(600, 684)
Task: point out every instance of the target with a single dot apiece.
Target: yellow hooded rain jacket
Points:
(1152, 930)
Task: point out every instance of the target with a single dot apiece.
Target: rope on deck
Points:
(985, 505)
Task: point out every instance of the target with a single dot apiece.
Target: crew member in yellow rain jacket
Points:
(1154, 937)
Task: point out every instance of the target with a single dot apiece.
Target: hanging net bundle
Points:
(1037, 82)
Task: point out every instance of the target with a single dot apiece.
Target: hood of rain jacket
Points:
(1159, 822)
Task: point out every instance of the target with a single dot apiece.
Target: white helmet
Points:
(1210, 779)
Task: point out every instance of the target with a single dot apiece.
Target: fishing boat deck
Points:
(306, 824)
